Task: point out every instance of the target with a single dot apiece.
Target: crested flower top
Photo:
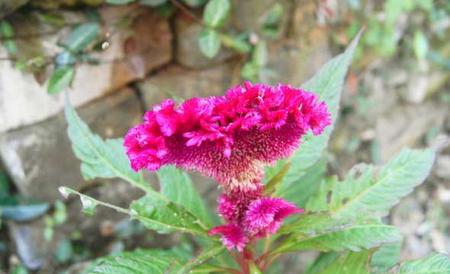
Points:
(230, 137)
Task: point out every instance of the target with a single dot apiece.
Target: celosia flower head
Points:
(229, 138)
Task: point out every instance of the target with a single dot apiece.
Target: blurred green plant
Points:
(418, 25)
(16, 207)
(86, 37)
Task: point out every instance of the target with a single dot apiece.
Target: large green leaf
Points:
(139, 262)
(353, 237)
(159, 213)
(327, 83)
(433, 264)
(301, 190)
(349, 262)
(177, 186)
(99, 158)
(385, 258)
(200, 259)
(370, 194)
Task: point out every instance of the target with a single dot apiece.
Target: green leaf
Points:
(385, 258)
(19, 208)
(81, 36)
(236, 43)
(209, 42)
(165, 216)
(312, 223)
(4, 185)
(420, 45)
(353, 237)
(202, 258)
(99, 158)
(367, 194)
(119, 2)
(322, 262)
(64, 251)
(139, 262)
(300, 189)
(433, 264)
(327, 83)
(349, 262)
(260, 54)
(216, 12)
(60, 79)
(177, 186)
(7, 33)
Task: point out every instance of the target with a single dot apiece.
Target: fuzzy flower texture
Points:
(231, 138)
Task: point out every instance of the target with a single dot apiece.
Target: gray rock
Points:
(30, 246)
(39, 158)
(249, 15)
(294, 62)
(36, 252)
(175, 81)
(187, 50)
(8, 6)
(132, 54)
(405, 125)
(443, 166)
(296, 59)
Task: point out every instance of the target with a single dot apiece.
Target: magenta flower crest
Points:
(231, 138)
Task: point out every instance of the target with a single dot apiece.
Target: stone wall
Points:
(165, 61)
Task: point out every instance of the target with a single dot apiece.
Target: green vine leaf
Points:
(81, 36)
(209, 42)
(216, 12)
(60, 79)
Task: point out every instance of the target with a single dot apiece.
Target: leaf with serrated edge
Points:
(377, 195)
(354, 238)
(433, 264)
(139, 262)
(164, 216)
(99, 158)
(200, 259)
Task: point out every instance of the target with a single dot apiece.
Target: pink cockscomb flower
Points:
(232, 236)
(251, 215)
(229, 138)
(264, 216)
